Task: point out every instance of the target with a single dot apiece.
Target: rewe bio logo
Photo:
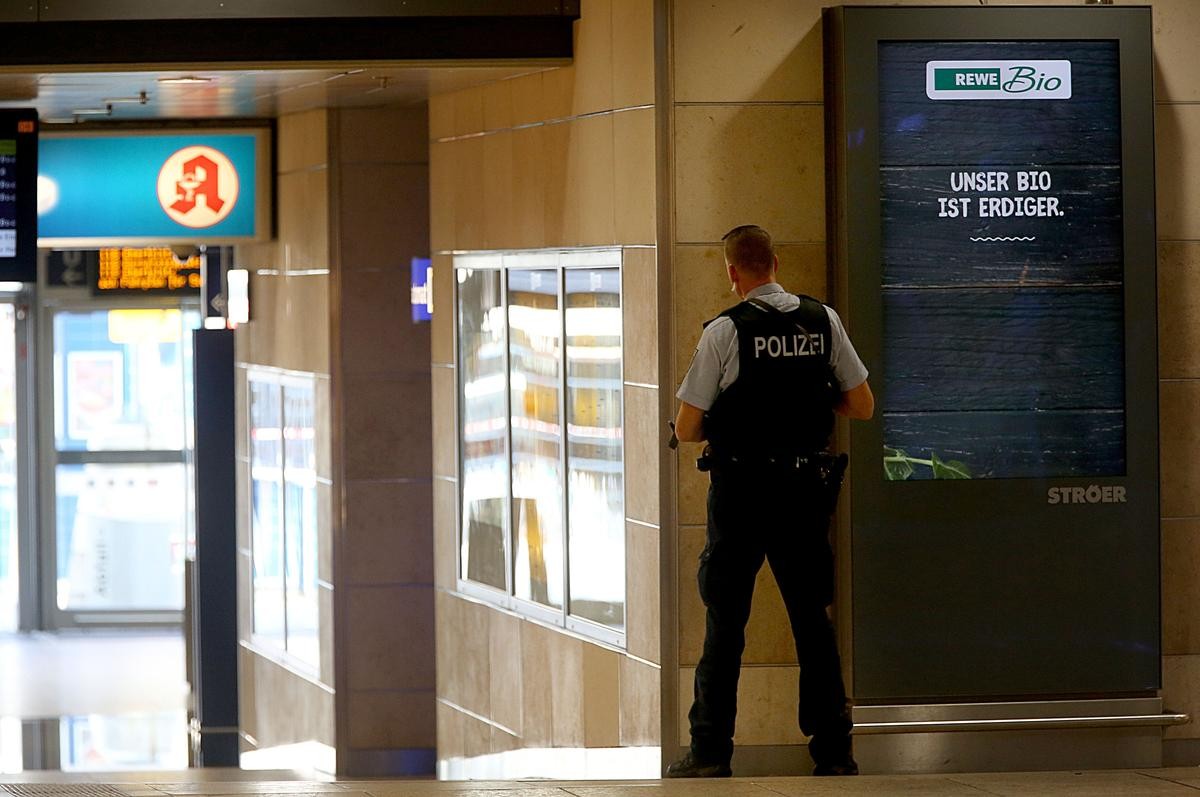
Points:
(197, 186)
(998, 80)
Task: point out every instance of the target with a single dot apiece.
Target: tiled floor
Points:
(214, 783)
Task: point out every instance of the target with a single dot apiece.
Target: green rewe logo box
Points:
(963, 79)
(998, 80)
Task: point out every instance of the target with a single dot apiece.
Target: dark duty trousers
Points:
(778, 515)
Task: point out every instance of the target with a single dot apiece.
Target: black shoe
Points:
(691, 767)
(847, 767)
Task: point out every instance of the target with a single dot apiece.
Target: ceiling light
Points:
(105, 111)
(185, 80)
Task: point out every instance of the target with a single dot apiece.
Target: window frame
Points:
(560, 261)
(279, 379)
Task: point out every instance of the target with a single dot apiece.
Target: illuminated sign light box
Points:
(993, 256)
(18, 220)
(422, 289)
(152, 187)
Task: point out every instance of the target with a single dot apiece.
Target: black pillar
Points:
(214, 598)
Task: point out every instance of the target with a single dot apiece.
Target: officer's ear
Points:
(774, 265)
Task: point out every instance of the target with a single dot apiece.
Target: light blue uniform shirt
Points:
(715, 365)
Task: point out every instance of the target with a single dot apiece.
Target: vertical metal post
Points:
(214, 602)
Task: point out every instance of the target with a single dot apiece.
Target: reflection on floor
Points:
(72, 674)
(92, 702)
(210, 783)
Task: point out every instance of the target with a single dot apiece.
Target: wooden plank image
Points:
(1033, 349)
(976, 133)
(1006, 226)
(988, 445)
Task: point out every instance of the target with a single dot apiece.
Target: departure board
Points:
(149, 270)
(18, 195)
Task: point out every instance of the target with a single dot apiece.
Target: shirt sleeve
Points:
(702, 383)
(848, 368)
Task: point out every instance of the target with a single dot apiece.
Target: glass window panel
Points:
(120, 381)
(8, 470)
(266, 505)
(121, 535)
(535, 353)
(484, 432)
(595, 465)
(300, 519)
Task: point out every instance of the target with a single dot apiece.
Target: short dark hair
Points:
(749, 247)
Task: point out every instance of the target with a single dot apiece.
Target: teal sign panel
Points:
(148, 187)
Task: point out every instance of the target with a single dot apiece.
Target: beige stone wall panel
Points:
(441, 196)
(750, 164)
(441, 116)
(601, 696)
(470, 212)
(451, 735)
(468, 111)
(639, 313)
(386, 530)
(643, 579)
(593, 58)
(302, 324)
(303, 219)
(302, 141)
(497, 184)
(445, 533)
(591, 178)
(561, 195)
(536, 688)
(390, 637)
(633, 177)
(1177, 156)
(765, 51)
(498, 105)
(1181, 693)
(383, 213)
(529, 189)
(528, 100)
(641, 717)
(633, 53)
(445, 422)
(384, 135)
(378, 333)
(392, 720)
(1180, 587)
(507, 684)
(382, 442)
(1178, 308)
(1179, 440)
(643, 440)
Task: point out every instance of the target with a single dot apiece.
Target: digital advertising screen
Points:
(18, 195)
(992, 253)
(1001, 213)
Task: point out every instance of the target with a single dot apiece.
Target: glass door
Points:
(10, 543)
(121, 480)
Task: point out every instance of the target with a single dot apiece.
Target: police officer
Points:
(767, 377)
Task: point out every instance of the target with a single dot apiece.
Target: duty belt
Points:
(812, 459)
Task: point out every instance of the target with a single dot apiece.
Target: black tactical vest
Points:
(781, 403)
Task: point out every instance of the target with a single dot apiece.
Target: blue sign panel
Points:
(149, 187)
(422, 289)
